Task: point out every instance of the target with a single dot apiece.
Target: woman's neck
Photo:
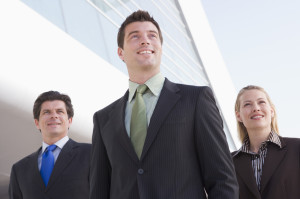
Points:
(257, 138)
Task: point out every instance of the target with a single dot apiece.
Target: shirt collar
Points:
(273, 138)
(60, 143)
(154, 84)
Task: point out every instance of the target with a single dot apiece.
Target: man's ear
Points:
(70, 122)
(36, 122)
(121, 53)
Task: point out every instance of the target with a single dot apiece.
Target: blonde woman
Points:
(267, 165)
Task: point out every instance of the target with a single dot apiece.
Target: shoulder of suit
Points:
(86, 146)
(199, 91)
(80, 144)
(111, 105)
(290, 141)
(28, 158)
(234, 153)
(192, 87)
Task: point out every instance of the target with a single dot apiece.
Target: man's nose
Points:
(145, 40)
(54, 114)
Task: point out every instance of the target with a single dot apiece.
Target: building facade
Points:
(95, 24)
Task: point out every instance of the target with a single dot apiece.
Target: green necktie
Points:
(138, 123)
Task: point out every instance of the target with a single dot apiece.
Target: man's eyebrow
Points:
(153, 31)
(136, 31)
(132, 32)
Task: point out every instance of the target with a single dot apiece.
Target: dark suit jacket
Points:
(280, 175)
(69, 178)
(185, 150)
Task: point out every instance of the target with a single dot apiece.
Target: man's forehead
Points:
(139, 26)
(57, 104)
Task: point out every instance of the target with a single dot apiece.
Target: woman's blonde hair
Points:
(242, 131)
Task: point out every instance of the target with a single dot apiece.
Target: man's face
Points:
(142, 47)
(53, 120)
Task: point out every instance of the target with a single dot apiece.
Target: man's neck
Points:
(52, 140)
(141, 78)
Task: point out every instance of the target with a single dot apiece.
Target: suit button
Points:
(140, 171)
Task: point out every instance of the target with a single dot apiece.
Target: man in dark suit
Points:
(161, 140)
(60, 168)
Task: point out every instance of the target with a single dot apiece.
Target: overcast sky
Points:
(260, 43)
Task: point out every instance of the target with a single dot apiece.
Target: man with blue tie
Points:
(60, 168)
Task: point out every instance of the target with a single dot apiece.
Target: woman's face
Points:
(255, 111)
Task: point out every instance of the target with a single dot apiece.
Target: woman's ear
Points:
(272, 113)
(238, 116)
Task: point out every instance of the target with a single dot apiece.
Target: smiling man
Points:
(60, 168)
(161, 140)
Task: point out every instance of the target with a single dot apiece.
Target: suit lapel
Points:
(165, 103)
(37, 178)
(116, 124)
(63, 160)
(167, 100)
(275, 155)
(245, 171)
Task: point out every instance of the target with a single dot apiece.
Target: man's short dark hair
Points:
(137, 16)
(51, 96)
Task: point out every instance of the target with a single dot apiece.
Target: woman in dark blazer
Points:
(267, 165)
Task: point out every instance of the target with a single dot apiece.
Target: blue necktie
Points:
(47, 163)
